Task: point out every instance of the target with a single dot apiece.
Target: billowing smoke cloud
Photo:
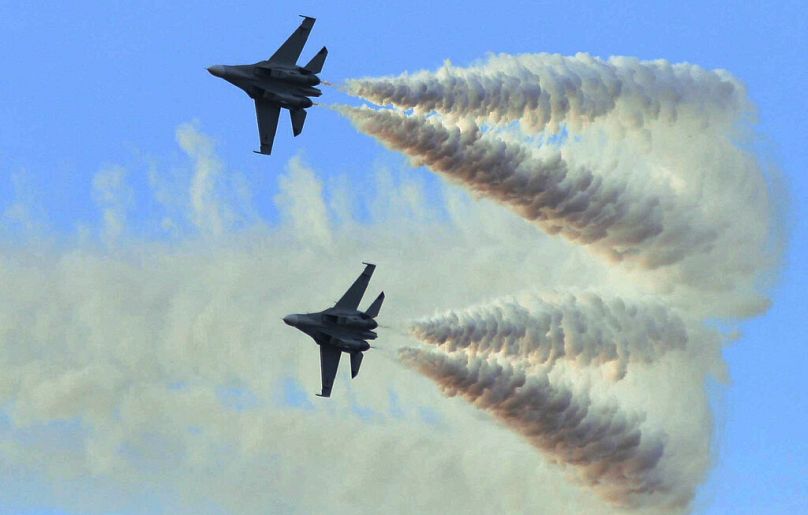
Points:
(606, 446)
(645, 163)
(155, 373)
(544, 91)
(583, 330)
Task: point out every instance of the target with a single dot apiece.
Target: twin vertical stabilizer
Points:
(315, 66)
(373, 310)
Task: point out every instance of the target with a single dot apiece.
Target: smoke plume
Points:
(643, 162)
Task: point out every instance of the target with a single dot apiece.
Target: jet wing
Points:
(354, 294)
(329, 361)
(267, 114)
(290, 50)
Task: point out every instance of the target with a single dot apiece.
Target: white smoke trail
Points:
(603, 213)
(584, 330)
(544, 91)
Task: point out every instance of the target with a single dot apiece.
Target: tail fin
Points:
(315, 66)
(373, 310)
(298, 119)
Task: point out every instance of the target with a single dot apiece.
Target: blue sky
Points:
(91, 84)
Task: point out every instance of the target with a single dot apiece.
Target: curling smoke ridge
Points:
(607, 446)
(544, 91)
(606, 215)
(584, 330)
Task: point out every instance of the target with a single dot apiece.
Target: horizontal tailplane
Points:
(356, 362)
(298, 119)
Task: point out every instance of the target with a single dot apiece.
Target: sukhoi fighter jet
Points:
(279, 82)
(342, 328)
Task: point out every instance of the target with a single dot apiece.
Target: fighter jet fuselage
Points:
(348, 330)
(288, 87)
(342, 328)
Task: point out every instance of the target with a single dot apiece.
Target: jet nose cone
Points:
(216, 70)
(289, 319)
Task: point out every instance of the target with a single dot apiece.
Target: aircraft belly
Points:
(351, 334)
(336, 332)
(344, 340)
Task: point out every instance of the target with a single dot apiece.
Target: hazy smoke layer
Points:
(584, 330)
(542, 91)
(602, 212)
(607, 447)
